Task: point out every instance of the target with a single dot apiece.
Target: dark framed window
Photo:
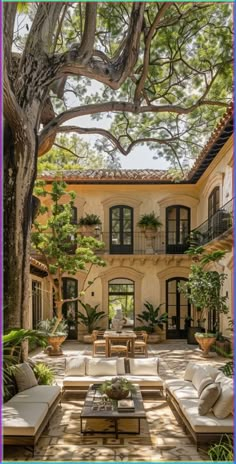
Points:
(177, 228)
(121, 229)
(36, 303)
(213, 202)
(121, 295)
(70, 309)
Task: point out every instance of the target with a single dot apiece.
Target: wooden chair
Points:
(115, 348)
(140, 344)
(98, 342)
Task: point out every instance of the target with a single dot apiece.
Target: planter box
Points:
(190, 335)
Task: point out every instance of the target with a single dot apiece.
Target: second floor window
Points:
(121, 229)
(213, 202)
(177, 228)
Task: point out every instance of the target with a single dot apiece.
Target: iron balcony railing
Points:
(139, 244)
(215, 226)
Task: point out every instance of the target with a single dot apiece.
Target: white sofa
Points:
(26, 414)
(204, 401)
(82, 371)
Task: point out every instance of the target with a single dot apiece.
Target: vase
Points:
(55, 342)
(205, 344)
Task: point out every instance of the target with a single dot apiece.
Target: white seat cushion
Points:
(73, 381)
(75, 365)
(21, 419)
(204, 424)
(147, 366)
(40, 394)
(145, 380)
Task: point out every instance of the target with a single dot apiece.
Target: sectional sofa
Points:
(27, 413)
(81, 371)
(204, 401)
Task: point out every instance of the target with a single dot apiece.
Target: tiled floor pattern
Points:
(162, 436)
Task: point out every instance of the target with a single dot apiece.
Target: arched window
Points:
(121, 229)
(177, 228)
(178, 309)
(121, 295)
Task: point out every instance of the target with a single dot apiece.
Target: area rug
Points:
(162, 438)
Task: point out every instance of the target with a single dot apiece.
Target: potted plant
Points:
(90, 319)
(117, 388)
(204, 291)
(154, 323)
(54, 337)
(53, 238)
(90, 225)
(149, 224)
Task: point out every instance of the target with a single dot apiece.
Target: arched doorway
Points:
(178, 308)
(121, 295)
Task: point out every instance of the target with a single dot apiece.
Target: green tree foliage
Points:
(57, 240)
(69, 153)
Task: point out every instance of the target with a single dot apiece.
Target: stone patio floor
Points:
(162, 436)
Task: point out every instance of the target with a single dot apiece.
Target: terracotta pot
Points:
(205, 343)
(55, 342)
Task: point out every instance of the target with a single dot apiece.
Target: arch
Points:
(125, 273)
(168, 274)
(188, 201)
(215, 181)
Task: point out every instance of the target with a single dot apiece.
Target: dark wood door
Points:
(178, 308)
(177, 228)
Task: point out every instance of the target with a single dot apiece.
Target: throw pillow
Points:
(190, 370)
(75, 366)
(208, 397)
(224, 405)
(148, 366)
(201, 379)
(95, 367)
(25, 377)
(212, 371)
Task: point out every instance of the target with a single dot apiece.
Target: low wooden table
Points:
(92, 410)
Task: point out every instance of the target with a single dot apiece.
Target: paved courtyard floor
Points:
(162, 436)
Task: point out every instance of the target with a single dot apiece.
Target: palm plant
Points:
(12, 348)
(151, 317)
(91, 316)
(47, 327)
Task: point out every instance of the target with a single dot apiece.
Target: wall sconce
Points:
(97, 231)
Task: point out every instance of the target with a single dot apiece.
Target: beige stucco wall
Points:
(150, 272)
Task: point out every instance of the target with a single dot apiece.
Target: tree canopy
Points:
(164, 72)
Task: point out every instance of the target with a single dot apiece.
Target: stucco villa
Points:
(140, 269)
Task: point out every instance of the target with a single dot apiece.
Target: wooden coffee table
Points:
(95, 408)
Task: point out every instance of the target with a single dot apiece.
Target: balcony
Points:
(217, 228)
(138, 244)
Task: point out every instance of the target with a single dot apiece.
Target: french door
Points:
(177, 228)
(178, 308)
(121, 230)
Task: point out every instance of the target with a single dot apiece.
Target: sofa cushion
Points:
(190, 371)
(224, 405)
(204, 424)
(145, 380)
(201, 379)
(73, 381)
(25, 377)
(99, 366)
(147, 366)
(211, 371)
(21, 420)
(208, 397)
(75, 366)
(181, 389)
(39, 394)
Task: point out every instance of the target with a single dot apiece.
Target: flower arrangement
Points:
(117, 388)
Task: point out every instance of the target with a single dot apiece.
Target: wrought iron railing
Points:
(215, 226)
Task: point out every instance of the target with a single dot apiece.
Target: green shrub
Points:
(222, 451)
(44, 374)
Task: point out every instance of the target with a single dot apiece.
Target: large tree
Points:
(162, 71)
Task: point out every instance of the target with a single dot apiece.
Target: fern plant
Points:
(150, 317)
(44, 374)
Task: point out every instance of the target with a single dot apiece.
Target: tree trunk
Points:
(19, 176)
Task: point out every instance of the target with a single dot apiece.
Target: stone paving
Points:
(162, 436)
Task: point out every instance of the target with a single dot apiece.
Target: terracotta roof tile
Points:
(103, 175)
(38, 264)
